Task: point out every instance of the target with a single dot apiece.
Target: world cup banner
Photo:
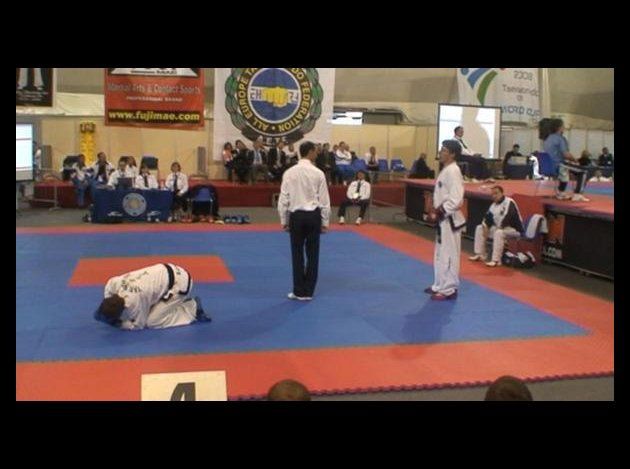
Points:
(169, 98)
(515, 90)
(34, 87)
(288, 104)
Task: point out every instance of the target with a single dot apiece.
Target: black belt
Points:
(171, 282)
(317, 210)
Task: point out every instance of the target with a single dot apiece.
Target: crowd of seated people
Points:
(269, 161)
(103, 176)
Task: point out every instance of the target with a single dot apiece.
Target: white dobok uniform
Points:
(116, 175)
(154, 297)
(182, 183)
(151, 182)
(448, 194)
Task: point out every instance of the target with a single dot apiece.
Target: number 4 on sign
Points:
(193, 386)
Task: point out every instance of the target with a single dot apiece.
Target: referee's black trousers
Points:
(305, 228)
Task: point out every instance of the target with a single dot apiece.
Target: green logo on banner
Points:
(275, 103)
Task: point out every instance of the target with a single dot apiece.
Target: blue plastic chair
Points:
(150, 161)
(203, 195)
(359, 165)
(398, 166)
(547, 166)
(383, 165)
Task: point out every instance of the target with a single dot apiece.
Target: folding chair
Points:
(152, 164)
(398, 168)
(534, 226)
(201, 194)
(383, 167)
(546, 167)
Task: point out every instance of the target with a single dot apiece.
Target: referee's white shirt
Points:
(304, 187)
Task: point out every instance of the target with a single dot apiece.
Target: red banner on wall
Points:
(154, 97)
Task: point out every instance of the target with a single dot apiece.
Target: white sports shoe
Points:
(579, 198)
(493, 264)
(292, 296)
(476, 257)
(358, 222)
(342, 220)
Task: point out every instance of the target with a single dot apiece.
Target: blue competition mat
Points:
(367, 294)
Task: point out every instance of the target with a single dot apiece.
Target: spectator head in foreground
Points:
(288, 390)
(508, 388)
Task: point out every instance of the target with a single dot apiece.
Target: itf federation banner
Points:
(169, 98)
(289, 104)
(514, 90)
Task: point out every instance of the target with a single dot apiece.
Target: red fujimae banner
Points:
(154, 97)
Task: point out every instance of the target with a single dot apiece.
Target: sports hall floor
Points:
(391, 275)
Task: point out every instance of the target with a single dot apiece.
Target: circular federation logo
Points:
(134, 204)
(275, 103)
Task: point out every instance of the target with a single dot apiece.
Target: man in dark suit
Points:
(277, 161)
(242, 162)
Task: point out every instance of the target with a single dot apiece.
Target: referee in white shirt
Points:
(304, 208)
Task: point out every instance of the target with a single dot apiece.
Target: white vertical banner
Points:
(289, 104)
(515, 90)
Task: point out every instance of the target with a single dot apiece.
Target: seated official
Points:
(358, 194)
(80, 179)
(132, 167)
(420, 169)
(606, 158)
(177, 183)
(123, 172)
(154, 297)
(503, 220)
(477, 166)
(515, 152)
(145, 180)
(101, 170)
